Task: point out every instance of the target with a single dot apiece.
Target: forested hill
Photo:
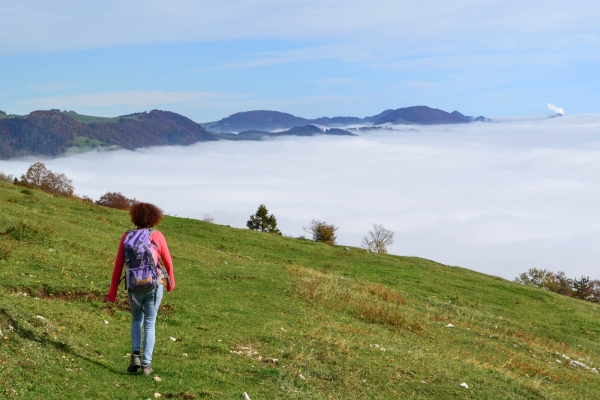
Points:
(264, 120)
(50, 133)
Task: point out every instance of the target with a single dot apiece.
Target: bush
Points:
(322, 231)
(378, 239)
(208, 218)
(116, 200)
(6, 178)
(40, 177)
(554, 281)
(262, 221)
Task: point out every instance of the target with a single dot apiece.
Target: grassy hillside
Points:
(274, 317)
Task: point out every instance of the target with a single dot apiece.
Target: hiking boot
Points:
(147, 369)
(135, 363)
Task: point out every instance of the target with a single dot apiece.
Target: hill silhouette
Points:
(49, 133)
(53, 132)
(307, 130)
(271, 120)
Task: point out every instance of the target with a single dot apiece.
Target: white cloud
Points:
(498, 198)
(38, 26)
(139, 99)
(556, 109)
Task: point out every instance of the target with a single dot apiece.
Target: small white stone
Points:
(246, 397)
(464, 385)
(301, 377)
(172, 339)
(185, 354)
(157, 379)
(105, 322)
(157, 395)
(449, 326)
(40, 317)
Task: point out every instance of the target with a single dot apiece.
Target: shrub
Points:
(262, 221)
(40, 177)
(378, 239)
(322, 231)
(587, 289)
(208, 218)
(554, 281)
(116, 200)
(6, 178)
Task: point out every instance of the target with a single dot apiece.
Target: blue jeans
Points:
(146, 299)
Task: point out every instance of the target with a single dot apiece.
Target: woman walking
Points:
(144, 253)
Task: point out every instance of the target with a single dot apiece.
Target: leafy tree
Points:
(378, 239)
(587, 289)
(40, 177)
(262, 221)
(322, 231)
(116, 200)
(34, 177)
(557, 282)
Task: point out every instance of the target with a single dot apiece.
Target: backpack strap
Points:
(163, 270)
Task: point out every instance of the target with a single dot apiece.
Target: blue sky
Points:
(209, 59)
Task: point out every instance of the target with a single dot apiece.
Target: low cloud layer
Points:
(498, 198)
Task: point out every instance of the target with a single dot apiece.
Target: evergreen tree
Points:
(262, 221)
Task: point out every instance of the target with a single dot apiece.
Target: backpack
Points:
(141, 261)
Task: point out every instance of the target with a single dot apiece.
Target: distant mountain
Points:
(420, 115)
(49, 133)
(264, 120)
(470, 119)
(377, 117)
(256, 120)
(53, 132)
(307, 130)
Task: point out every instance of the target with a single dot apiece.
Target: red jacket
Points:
(163, 252)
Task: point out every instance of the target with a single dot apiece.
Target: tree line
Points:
(376, 240)
(39, 177)
(582, 288)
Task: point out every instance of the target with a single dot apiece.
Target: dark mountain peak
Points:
(420, 115)
(378, 116)
(263, 120)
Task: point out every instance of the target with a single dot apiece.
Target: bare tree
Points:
(378, 239)
(6, 178)
(208, 218)
(322, 231)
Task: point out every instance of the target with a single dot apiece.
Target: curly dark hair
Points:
(145, 215)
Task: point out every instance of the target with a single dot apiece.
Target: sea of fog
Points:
(499, 197)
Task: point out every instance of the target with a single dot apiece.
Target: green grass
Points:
(88, 119)
(8, 116)
(323, 312)
(85, 142)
